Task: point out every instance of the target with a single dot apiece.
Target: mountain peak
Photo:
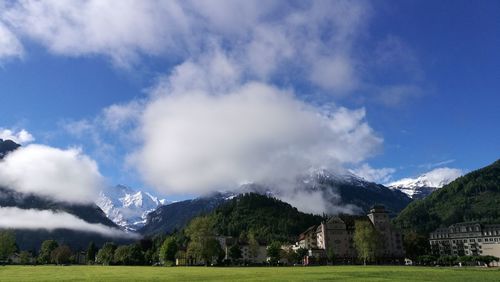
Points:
(127, 207)
(426, 183)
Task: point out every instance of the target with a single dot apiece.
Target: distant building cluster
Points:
(466, 239)
(337, 235)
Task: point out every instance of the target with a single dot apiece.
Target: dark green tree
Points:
(91, 253)
(106, 253)
(168, 250)
(253, 246)
(235, 253)
(274, 252)
(415, 245)
(129, 255)
(25, 257)
(44, 257)
(61, 255)
(301, 253)
(136, 256)
(330, 254)
(7, 244)
(202, 244)
(121, 255)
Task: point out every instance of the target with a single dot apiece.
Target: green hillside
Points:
(268, 218)
(472, 197)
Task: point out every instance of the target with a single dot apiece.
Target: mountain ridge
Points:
(426, 183)
(127, 207)
(471, 197)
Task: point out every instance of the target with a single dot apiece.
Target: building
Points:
(466, 239)
(246, 254)
(337, 234)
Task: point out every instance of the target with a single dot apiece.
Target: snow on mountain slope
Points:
(426, 183)
(126, 207)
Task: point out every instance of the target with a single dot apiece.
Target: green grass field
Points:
(325, 273)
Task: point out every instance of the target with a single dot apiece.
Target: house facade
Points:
(466, 239)
(337, 234)
(247, 255)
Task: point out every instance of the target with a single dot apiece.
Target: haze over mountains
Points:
(141, 212)
(340, 193)
(37, 218)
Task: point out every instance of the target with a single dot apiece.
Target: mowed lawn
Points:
(325, 273)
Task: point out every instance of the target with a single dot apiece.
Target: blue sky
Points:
(426, 73)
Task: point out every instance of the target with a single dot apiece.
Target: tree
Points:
(61, 255)
(106, 253)
(129, 255)
(168, 250)
(290, 255)
(46, 250)
(135, 255)
(488, 259)
(274, 252)
(426, 260)
(253, 246)
(121, 255)
(7, 244)
(366, 240)
(301, 253)
(202, 244)
(235, 253)
(91, 252)
(415, 245)
(330, 254)
(24, 257)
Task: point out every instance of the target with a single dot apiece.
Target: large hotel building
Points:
(466, 239)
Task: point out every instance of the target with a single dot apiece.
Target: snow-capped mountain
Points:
(126, 207)
(426, 183)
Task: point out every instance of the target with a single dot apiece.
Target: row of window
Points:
(461, 241)
(464, 229)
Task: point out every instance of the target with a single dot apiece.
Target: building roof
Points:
(310, 229)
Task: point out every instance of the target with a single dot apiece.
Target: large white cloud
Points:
(64, 175)
(197, 141)
(264, 35)
(78, 28)
(16, 218)
(19, 136)
(10, 47)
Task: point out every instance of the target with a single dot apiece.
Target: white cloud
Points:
(16, 218)
(335, 73)
(9, 44)
(198, 141)
(77, 28)
(435, 178)
(263, 36)
(442, 176)
(21, 137)
(318, 202)
(377, 175)
(117, 116)
(436, 164)
(64, 175)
